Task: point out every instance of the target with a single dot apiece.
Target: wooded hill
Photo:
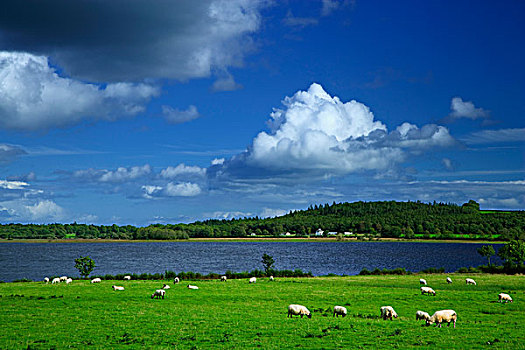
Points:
(363, 219)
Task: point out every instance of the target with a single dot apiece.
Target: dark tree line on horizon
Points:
(377, 219)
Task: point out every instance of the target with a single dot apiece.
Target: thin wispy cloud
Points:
(495, 136)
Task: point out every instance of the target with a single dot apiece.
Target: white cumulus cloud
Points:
(182, 170)
(184, 189)
(176, 116)
(466, 109)
(45, 210)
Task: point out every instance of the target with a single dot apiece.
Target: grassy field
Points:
(236, 314)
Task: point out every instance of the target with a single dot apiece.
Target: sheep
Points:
(253, 280)
(388, 312)
(165, 286)
(117, 287)
(428, 291)
(422, 315)
(223, 278)
(449, 280)
(443, 316)
(127, 278)
(470, 281)
(422, 281)
(63, 278)
(96, 280)
(46, 280)
(294, 309)
(339, 310)
(192, 287)
(176, 280)
(504, 297)
(69, 280)
(158, 294)
(271, 278)
(55, 280)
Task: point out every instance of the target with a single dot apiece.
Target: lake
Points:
(37, 260)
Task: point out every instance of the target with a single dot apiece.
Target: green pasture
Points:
(236, 314)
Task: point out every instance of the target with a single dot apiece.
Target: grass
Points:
(236, 314)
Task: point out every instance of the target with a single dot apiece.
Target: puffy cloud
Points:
(120, 175)
(8, 152)
(176, 116)
(217, 161)
(133, 40)
(182, 170)
(466, 109)
(31, 90)
(271, 213)
(495, 136)
(13, 185)
(45, 210)
(183, 189)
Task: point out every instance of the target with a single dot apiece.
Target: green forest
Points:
(360, 220)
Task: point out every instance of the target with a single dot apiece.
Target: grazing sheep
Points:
(294, 309)
(117, 288)
(223, 278)
(470, 281)
(63, 278)
(55, 280)
(192, 287)
(422, 281)
(388, 312)
(253, 280)
(69, 280)
(176, 280)
(46, 280)
(159, 293)
(504, 297)
(422, 315)
(165, 286)
(271, 278)
(428, 291)
(340, 310)
(449, 280)
(96, 280)
(443, 316)
(127, 278)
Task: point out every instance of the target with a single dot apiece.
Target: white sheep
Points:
(166, 286)
(46, 280)
(63, 278)
(340, 310)
(504, 297)
(428, 291)
(443, 316)
(69, 280)
(223, 278)
(470, 281)
(117, 287)
(253, 280)
(192, 287)
(422, 281)
(449, 280)
(271, 278)
(96, 280)
(422, 315)
(159, 293)
(294, 309)
(176, 280)
(388, 312)
(55, 280)
(127, 278)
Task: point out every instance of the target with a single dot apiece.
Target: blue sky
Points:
(133, 112)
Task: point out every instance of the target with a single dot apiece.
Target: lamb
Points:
(176, 280)
(271, 278)
(388, 312)
(340, 310)
(470, 281)
(253, 280)
(69, 280)
(192, 287)
(96, 280)
(63, 278)
(428, 291)
(443, 316)
(422, 315)
(422, 281)
(46, 280)
(166, 286)
(127, 278)
(294, 309)
(55, 280)
(223, 278)
(158, 294)
(504, 297)
(449, 280)
(117, 287)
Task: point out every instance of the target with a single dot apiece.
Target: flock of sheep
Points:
(387, 312)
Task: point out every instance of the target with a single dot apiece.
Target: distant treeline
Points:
(375, 219)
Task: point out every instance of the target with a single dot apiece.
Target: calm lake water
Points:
(37, 260)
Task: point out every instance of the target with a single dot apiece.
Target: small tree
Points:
(84, 265)
(487, 251)
(267, 262)
(513, 253)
